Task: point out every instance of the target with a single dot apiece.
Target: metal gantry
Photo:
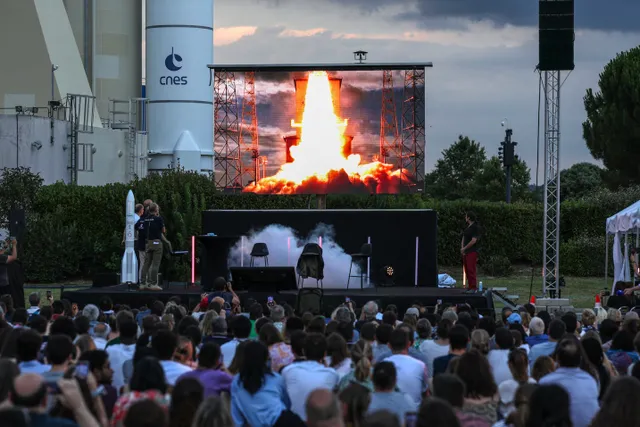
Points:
(249, 135)
(80, 111)
(226, 141)
(551, 245)
(390, 146)
(413, 124)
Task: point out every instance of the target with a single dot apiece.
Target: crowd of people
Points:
(224, 364)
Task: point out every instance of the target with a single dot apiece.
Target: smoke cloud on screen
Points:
(285, 248)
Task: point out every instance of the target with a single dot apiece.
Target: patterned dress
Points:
(126, 400)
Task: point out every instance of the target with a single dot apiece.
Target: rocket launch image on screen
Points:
(320, 132)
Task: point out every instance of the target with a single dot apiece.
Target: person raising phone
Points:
(224, 290)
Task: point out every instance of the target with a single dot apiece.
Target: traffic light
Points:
(509, 153)
(501, 153)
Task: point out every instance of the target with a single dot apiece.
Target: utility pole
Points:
(508, 158)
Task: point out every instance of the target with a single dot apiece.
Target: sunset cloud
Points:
(302, 33)
(228, 35)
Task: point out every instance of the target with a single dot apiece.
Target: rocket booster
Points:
(129, 273)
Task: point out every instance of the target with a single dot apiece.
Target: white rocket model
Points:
(129, 273)
(179, 46)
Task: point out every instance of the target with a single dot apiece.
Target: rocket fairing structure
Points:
(179, 46)
(129, 273)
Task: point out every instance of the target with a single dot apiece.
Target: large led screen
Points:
(321, 132)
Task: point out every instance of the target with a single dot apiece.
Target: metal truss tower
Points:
(249, 139)
(390, 145)
(413, 126)
(226, 144)
(551, 246)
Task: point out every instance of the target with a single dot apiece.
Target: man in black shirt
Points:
(141, 238)
(153, 229)
(469, 250)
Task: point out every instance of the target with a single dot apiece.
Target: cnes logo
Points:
(173, 63)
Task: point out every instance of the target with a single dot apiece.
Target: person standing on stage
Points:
(469, 249)
(5, 259)
(154, 229)
(141, 238)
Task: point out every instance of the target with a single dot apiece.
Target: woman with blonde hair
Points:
(361, 358)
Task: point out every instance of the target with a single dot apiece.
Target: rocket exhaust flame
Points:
(319, 165)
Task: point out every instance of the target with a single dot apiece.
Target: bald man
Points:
(30, 392)
(323, 409)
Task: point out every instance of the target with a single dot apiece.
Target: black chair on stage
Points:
(360, 260)
(259, 250)
(310, 265)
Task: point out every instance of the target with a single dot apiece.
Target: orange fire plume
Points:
(319, 165)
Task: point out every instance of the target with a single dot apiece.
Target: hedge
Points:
(76, 231)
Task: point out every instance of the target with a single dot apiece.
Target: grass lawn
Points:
(580, 290)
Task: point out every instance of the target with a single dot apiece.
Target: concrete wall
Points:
(103, 156)
(109, 157)
(50, 161)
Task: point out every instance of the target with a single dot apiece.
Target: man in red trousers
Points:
(469, 250)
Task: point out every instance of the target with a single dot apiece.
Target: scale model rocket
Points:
(129, 273)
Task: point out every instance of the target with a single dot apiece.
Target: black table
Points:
(213, 261)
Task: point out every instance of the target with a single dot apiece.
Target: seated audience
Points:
(303, 377)
(412, 376)
(458, 342)
(580, 385)
(258, 395)
(210, 371)
(385, 397)
(241, 329)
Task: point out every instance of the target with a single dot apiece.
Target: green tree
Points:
(19, 188)
(612, 128)
(490, 181)
(580, 180)
(454, 175)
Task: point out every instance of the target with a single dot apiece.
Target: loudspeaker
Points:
(102, 280)
(263, 279)
(17, 223)
(557, 35)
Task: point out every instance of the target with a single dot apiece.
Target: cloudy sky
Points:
(484, 54)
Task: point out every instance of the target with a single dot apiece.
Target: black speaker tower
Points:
(557, 35)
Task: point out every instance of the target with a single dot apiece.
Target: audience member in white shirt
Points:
(100, 334)
(241, 329)
(120, 353)
(499, 358)
(34, 302)
(438, 347)
(412, 376)
(165, 344)
(519, 367)
(301, 378)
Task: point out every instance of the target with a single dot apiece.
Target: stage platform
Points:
(402, 297)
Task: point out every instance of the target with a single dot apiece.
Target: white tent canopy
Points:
(625, 222)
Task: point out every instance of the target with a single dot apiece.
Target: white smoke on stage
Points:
(285, 248)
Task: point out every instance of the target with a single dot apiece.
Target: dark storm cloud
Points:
(612, 15)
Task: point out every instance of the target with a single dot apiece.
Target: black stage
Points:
(402, 297)
(404, 239)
